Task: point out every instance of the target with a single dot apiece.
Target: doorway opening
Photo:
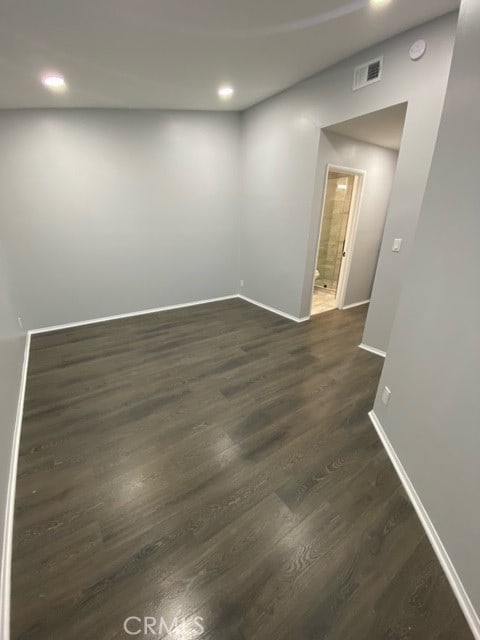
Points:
(342, 196)
(350, 208)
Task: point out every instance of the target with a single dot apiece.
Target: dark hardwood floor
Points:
(216, 462)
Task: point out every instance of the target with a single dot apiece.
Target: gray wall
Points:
(105, 212)
(433, 362)
(380, 164)
(12, 346)
(282, 170)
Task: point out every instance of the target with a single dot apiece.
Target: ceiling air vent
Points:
(367, 73)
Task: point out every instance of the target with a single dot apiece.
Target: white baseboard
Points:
(6, 569)
(355, 304)
(273, 310)
(71, 325)
(377, 352)
(440, 551)
(129, 315)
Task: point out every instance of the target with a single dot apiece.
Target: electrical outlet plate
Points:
(386, 396)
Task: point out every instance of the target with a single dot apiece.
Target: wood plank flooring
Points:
(215, 462)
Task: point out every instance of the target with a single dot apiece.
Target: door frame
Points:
(351, 232)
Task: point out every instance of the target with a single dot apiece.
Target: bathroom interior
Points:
(339, 198)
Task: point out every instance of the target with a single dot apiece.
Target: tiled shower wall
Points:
(334, 227)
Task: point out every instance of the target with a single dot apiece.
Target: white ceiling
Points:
(384, 127)
(174, 53)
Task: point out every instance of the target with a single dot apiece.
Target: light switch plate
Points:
(397, 245)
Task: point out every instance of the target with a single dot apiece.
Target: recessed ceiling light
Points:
(379, 3)
(54, 82)
(225, 92)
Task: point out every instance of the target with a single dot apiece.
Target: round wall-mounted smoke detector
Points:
(417, 50)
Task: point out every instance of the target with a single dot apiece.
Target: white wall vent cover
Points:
(368, 73)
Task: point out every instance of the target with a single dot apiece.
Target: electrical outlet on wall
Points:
(241, 283)
(20, 323)
(386, 396)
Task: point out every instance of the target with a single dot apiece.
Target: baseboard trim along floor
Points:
(355, 304)
(6, 568)
(377, 352)
(131, 314)
(273, 310)
(435, 540)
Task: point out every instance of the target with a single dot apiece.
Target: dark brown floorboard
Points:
(216, 461)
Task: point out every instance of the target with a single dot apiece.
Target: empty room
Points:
(239, 345)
